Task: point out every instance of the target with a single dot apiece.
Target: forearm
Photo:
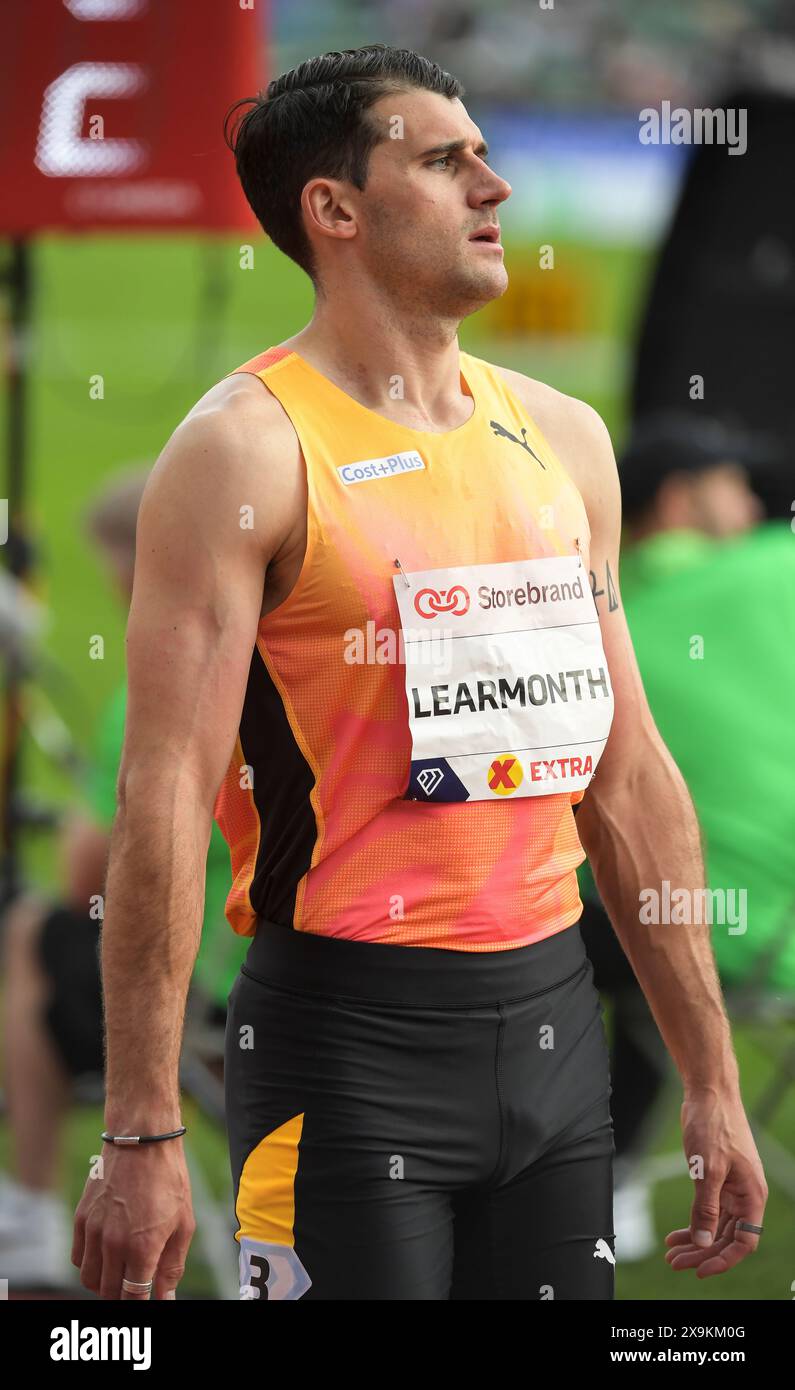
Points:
(152, 929)
(637, 834)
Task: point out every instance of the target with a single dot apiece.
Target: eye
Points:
(443, 159)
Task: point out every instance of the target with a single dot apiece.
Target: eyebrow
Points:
(453, 147)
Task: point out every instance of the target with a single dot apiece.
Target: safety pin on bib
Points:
(579, 552)
(403, 572)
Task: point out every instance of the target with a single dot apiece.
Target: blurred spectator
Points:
(53, 1002)
(681, 475)
(710, 602)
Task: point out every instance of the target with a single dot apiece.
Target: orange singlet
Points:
(372, 794)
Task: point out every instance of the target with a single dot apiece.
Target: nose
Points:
(492, 189)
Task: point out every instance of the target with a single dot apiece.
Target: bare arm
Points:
(192, 628)
(636, 822)
(638, 827)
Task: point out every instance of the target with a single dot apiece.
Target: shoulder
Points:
(560, 417)
(577, 434)
(237, 407)
(235, 446)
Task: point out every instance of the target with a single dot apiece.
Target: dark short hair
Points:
(675, 442)
(312, 122)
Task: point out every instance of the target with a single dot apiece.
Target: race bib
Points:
(506, 679)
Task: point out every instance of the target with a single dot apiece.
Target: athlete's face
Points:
(429, 192)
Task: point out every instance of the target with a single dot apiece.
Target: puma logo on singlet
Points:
(502, 433)
(603, 1251)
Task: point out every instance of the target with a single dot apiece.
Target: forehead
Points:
(426, 119)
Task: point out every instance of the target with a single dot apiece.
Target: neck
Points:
(390, 359)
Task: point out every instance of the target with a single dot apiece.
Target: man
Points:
(417, 1088)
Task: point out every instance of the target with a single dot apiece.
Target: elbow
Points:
(152, 800)
(639, 781)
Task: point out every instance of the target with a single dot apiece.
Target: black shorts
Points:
(414, 1123)
(69, 955)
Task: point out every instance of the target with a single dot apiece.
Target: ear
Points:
(328, 209)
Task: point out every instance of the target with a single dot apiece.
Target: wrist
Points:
(703, 1086)
(142, 1141)
(142, 1117)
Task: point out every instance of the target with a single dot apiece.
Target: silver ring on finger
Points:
(130, 1286)
(749, 1226)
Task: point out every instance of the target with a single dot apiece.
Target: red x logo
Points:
(505, 775)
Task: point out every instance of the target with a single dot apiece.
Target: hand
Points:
(733, 1188)
(136, 1222)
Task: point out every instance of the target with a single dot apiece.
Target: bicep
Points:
(193, 619)
(632, 719)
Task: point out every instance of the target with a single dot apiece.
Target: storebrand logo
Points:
(76, 1343)
(429, 602)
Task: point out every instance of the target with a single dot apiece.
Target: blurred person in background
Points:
(52, 996)
(710, 600)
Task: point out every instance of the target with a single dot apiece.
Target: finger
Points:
(706, 1208)
(706, 1214)
(136, 1274)
(681, 1241)
(78, 1238)
(676, 1251)
(680, 1237)
(688, 1255)
(722, 1263)
(91, 1263)
(113, 1257)
(171, 1265)
(743, 1244)
(693, 1257)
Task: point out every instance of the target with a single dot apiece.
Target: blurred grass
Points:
(160, 320)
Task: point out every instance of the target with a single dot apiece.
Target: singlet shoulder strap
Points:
(262, 361)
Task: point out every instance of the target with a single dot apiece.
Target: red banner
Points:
(111, 112)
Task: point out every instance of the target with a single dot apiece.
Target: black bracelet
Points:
(123, 1139)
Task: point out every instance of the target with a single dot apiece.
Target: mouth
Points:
(487, 236)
